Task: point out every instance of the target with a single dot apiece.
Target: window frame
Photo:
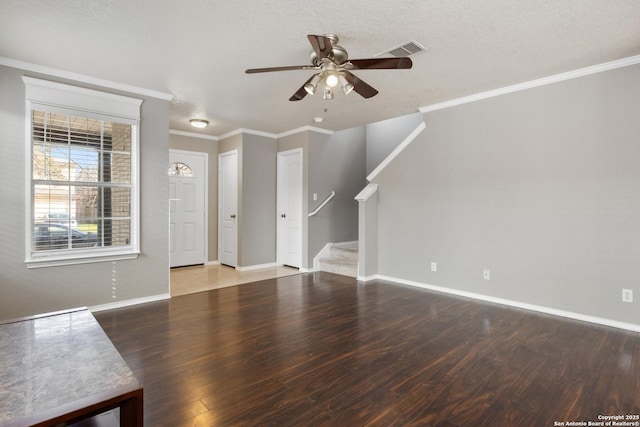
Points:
(48, 96)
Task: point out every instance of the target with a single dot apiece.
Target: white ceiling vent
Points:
(409, 48)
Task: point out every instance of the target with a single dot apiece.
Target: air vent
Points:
(409, 48)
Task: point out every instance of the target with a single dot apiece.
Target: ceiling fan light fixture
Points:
(333, 68)
(312, 85)
(328, 93)
(344, 84)
(331, 80)
(330, 74)
(199, 123)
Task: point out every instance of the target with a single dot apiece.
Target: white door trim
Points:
(206, 195)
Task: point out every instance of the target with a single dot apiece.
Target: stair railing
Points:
(329, 197)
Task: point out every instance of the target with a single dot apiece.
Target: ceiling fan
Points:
(333, 66)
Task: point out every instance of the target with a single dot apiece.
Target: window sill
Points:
(55, 260)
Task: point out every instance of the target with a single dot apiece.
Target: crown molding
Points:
(259, 133)
(305, 129)
(193, 135)
(83, 78)
(274, 135)
(620, 63)
(229, 134)
(249, 131)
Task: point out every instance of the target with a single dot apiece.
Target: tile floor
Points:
(199, 278)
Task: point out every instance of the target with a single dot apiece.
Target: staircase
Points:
(342, 259)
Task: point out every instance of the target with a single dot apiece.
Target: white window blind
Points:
(82, 175)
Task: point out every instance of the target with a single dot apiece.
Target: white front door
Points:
(289, 214)
(187, 184)
(228, 208)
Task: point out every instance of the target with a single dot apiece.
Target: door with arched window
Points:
(187, 201)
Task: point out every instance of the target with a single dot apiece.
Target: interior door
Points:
(228, 208)
(289, 215)
(187, 183)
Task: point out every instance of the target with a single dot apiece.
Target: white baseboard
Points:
(366, 278)
(256, 267)
(129, 302)
(541, 309)
(216, 262)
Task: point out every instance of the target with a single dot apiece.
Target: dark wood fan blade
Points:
(288, 68)
(321, 45)
(300, 93)
(381, 64)
(364, 89)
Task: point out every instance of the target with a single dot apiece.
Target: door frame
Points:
(206, 197)
(220, 156)
(280, 156)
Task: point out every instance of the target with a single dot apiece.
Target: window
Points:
(180, 169)
(82, 154)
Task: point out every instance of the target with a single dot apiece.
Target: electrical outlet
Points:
(434, 266)
(627, 295)
(486, 274)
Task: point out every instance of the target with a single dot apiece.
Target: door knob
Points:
(283, 215)
(233, 215)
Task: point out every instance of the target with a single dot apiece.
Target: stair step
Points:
(342, 259)
(348, 251)
(339, 265)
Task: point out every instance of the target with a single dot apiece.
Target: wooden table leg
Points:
(131, 411)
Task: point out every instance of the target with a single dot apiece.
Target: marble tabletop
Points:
(55, 360)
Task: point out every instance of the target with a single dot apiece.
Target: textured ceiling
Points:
(197, 50)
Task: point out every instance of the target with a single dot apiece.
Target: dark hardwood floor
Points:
(321, 350)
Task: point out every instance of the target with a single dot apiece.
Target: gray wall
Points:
(210, 147)
(541, 186)
(337, 163)
(330, 163)
(258, 234)
(256, 197)
(25, 291)
(384, 136)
